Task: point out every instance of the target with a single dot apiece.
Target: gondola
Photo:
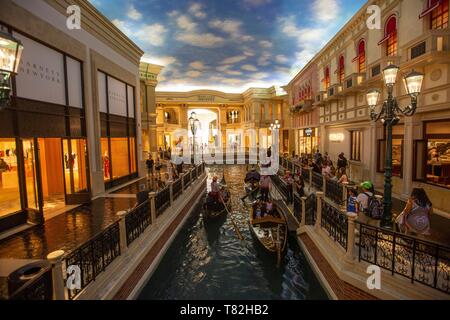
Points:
(216, 208)
(270, 231)
(251, 184)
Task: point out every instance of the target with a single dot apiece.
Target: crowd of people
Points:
(414, 219)
(154, 167)
(263, 208)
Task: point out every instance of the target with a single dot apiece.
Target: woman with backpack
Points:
(370, 209)
(415, 218)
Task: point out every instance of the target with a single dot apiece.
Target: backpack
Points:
(374, 208)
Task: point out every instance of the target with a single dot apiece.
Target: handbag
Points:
(418, 220)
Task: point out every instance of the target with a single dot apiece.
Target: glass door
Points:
(31, 178)
(74, 153)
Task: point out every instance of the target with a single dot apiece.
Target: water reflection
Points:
(208, 261)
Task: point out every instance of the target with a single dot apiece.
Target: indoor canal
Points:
(207, 260)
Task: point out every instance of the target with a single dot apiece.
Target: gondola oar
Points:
(232, 219)
(248, 194)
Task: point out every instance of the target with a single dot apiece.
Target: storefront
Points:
(397, 151)
(118, 130)
(308, 141)
(43, 144)
(432, 154)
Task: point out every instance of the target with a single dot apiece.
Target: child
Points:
(352, 203)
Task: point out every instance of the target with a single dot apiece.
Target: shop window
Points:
(356, 144)
(106, 159)
(439, 16)
(327, 80)
(390, 37)
(397, 156)
(120, 157)
(133, 154)
(434, 153)
(9, 178)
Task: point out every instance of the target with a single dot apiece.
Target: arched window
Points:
(327, 78)
(341, 69)
(361, 56)
(390, 36)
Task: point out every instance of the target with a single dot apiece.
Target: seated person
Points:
(269, 208)
(257, 212)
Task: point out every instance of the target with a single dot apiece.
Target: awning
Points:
(386, 38)
(430, 9)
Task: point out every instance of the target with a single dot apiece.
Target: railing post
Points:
(349, 255)
(310, 178)
(152, 196)
(303, 222)
(122, 231)
(55, 258)
(318, 224)
(190, 176)
(171, 193)
(344, 197)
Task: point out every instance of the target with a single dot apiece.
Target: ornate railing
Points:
(311, 209)
(194, 173)
(187, 180)
(335, 223)
(177, 189)
(418, 260)
(281, 185)
(334, 191)
(298, 206)
(137, 220)
(94, 256)
(162, 201)
(317, 180)
(39, 288)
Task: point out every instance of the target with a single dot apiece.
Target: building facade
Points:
(73, 110)
(237, 121)
(415, 36)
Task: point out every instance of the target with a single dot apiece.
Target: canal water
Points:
(208, 261)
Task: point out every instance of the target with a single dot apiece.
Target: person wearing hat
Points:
(363, 200)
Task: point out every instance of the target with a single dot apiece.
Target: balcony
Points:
(433, 46)
(354, 83)
(335, 91)
(302, 106)
(321, 98)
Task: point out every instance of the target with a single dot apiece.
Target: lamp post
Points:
(10, 54)
(194, 123)
(390, 116)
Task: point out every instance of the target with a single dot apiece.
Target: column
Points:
(374, 152)
(122, 231)
(319, 211)
(152, 196)
(349, 256)
(55, 258)
(408, 156)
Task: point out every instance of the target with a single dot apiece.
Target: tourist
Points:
(215, 189)
(300, 185)
(342, 161)
(158, 167)
(269, 207)
(264, 185)
(332, 175)
(317, 155)
(415, 218)
(343, 178)
(352, 202)
(362, 200)
(326, 170)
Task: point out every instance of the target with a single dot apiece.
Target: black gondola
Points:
(218, 206)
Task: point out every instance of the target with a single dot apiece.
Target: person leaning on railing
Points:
(415, 218)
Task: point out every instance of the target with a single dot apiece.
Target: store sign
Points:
(117, 98)
(309, 132)
(41, 73)
(336, 137)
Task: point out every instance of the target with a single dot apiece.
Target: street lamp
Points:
(194, 123)
(390, 116)
(10, 54)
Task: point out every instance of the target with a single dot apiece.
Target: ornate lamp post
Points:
(389, 116)
(194, 123)
(10, 54)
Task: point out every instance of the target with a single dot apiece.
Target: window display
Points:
(9, 178)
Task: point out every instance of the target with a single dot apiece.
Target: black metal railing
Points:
(335, 223)
(162, 201)
(39, 288)
(281, 185)
(298, 207)
(418, 260)
(177, 189)
(137, 220)
(305, 174)
(187, 180)
(194, 173)
(94, 256)
(334, 191)
(311, 210)
(317, 180)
